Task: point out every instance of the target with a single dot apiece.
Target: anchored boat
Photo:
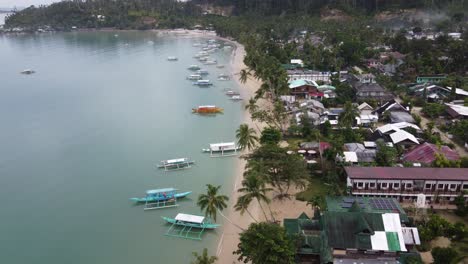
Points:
(188, 226)
(160, 198)
(222, 149)
(172, 58)
(203, 83)
(194, 77)
(176, 164)
(194, 67)
(207, 109)
(223, 77)
(27, 71)
(203, 72)
(236, 98)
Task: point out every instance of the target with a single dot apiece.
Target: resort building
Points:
(304, 89)
(430, 78)
(310, 75)
(457, 111)
(438, 185)
(354, 230)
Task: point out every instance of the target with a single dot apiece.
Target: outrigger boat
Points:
(203, 83)
(172, 58)
(188, 226)
(236, 98)
(210, 62)
(160, 195)
(194, 77)
(222, 149)
(27, 71)
(176, 164)
(202, 72)
(231, 93)
(223, 77)
(160, 198)
(207, 109)
(220, 66)
(194, 67)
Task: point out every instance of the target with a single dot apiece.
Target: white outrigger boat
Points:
(188, 226)
(172, 58)
(202, 72)
(176, 164)
(194, 67)
(27, 71)
(223, 77)
(231, 93)
(222, 149)
(236, 98)
(203, 83)
(194, 77)
(210, 62)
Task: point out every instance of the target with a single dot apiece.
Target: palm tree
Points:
(211, 202)
(204, 258)
(242, 205)
(349, 114)
(246, 137)
(244, 75)
(254, 188)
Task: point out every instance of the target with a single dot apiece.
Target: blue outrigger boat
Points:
(160, 198)
(188, 226)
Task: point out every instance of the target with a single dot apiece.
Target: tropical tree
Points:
(385, 156)
(242, 205)
(253, 187)
(203, 258)
(246, 137)
(244, 75)
(349, 114)
(270, 135)
(281, 170)
(266, 243)
(211, 202)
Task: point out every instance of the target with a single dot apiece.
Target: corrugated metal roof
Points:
(397, 173)
(425, 153)
(402, 135)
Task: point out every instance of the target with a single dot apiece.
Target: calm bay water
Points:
(84, 133)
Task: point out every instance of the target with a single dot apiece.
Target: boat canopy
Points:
(190, 218)
(225, 145)
(175, 160)
(207, 106)
(156, 191)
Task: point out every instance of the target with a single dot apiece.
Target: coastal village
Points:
(352, 150)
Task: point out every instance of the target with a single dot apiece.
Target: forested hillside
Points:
(146, 14)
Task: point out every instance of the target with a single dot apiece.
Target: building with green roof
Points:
(351, 230)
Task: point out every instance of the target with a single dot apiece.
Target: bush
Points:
(444, 255)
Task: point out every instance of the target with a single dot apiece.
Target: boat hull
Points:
(194, 225)
(160, 199)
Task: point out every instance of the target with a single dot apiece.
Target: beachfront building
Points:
(354, 230)
(438, 185)
(310, 75)
(304, 89)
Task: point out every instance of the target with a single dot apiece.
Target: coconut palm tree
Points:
(244, 75)
(254, 188)
(204, 258)
(349, 114)
(242, 206)
(246, 137)
(211, 202)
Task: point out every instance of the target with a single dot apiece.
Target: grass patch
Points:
(316, 187)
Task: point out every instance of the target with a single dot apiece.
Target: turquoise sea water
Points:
(84, 133)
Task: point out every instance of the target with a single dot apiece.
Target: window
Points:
(465, 186)
(453, 186)
(360, 184)
(409, 185)
(396, 186)
(428, 186)
(372, 185)
(384, 185)
(440, 186)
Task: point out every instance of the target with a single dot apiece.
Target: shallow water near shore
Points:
(85, 132)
